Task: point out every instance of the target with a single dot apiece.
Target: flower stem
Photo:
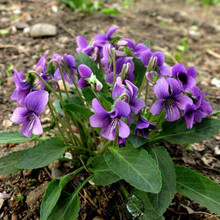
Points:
(114, 63)
(103, 149)
(47, 85)
(57, 123)
(124, 190)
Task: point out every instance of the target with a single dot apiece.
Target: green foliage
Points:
(7, 163)
(199, 188)
(103, 175)
(162, 200)
(42, 154)
(67, 207)
(53, 193)
(136, 167)
(176, 132)
(149, 212)
(139, 71)
(135, 206)
(13, 137)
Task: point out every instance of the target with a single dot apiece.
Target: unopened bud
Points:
(98, 86)
(122, 43)
(120, 53)
(109, 49)
(155, 62)
(39, 69)
(149, 77)
(128, 67)
(95, 54)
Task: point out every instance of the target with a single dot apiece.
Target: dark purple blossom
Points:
(34, 104)
(158, 62)
(143, 126)
(102, 39)
(186, 77)
(71, 65)
(136, 104)
(85, 73)
(22, 87)
(109, 121)
(121, 142)
(83, 45)
(169, 92)
(196, 112)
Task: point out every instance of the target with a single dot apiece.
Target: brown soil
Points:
(164, 23)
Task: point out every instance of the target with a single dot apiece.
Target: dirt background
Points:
(164, 23)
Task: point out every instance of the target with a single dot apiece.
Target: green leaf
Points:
(147, 43)
(85, 112)
(7, 163)
(137, 141)
(162, 200)
(139, 71)
(198, 188)
(52, 195)
(42, 154)
(136, 167)
(176, 132)
(103, 175)
(88, 94)
(13, 137)
(110, 11)
(82, 58)
(67, 207)
(135, 206)
(149, 212)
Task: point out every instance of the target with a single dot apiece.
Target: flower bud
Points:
(95, 54)
(149, 77)
(98, 86)
(122, 43)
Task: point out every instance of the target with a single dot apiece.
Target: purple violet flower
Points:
(41, 65)
(110, 120)
(196, 112)
(136, 104)
(186, 77)
(35, 103)
(169, 92)
(83, 45)
(71, 64)
(22, 87)
(102, 39)
(159, 59)
(85, 73)
(121, 142)
(143, 126)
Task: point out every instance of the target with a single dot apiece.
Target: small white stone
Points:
(43, 30)
(215, 82)
(54, 8)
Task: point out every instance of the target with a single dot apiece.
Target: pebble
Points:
(26, 30)
(63, 40)
(27, 172)
(36, 194)
(7, 123)
(215, 82)
(43, 30)
(55, 173)
(20, 25)
(55, 164)
(98, 218)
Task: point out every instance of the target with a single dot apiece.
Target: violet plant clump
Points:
(113, 129)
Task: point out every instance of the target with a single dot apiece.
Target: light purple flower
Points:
(109, 121)
(139, 49)
(196, 112)
(143, 126)
(71, 65)
(83, 45)
(41, 65)
(136, 104)
(169, 92)
(22, 87)
(186, 77)
(85, 73)
(102, 39)
(35, 103)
